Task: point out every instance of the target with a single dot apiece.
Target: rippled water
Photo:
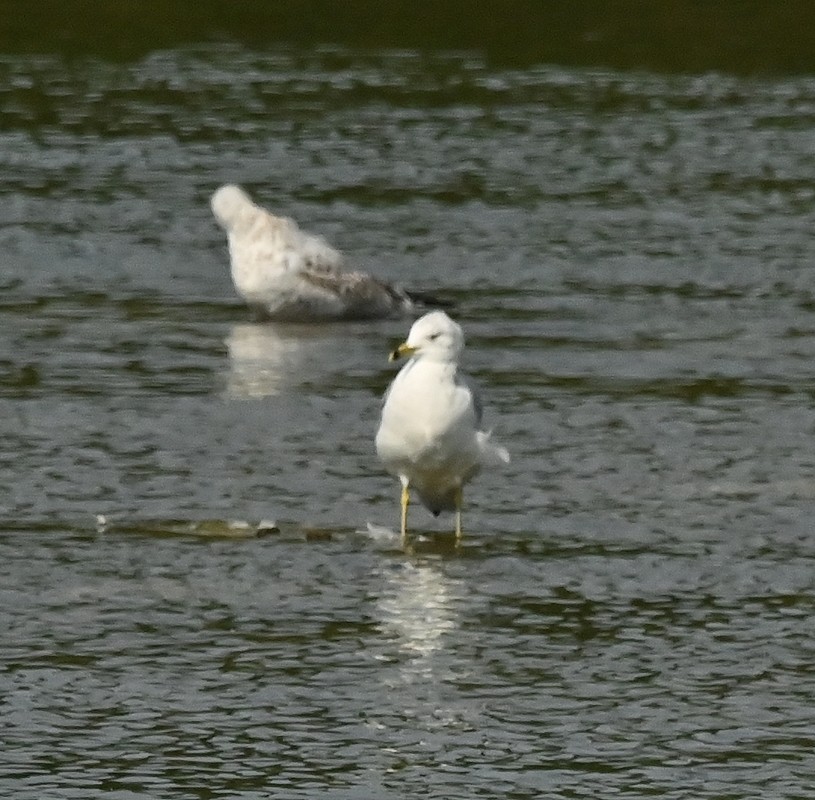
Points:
(631, 257)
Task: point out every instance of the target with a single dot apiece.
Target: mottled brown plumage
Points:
(285, 273)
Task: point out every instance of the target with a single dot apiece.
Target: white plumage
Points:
(429, 435)
(285, 273)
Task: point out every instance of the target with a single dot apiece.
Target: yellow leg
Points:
(459, 499)
(404, 502)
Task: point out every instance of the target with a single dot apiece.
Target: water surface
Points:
(630, 254)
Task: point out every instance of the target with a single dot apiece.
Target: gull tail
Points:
(491, 453)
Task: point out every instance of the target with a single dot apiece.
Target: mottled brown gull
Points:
(285, 273)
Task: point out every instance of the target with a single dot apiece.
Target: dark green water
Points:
(631, 254)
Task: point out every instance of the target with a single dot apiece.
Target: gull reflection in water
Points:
(417, 610)
(264, 359)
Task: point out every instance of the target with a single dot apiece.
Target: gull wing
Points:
(466, 382)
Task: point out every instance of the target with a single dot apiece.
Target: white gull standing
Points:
(429, 434)
(285, 273)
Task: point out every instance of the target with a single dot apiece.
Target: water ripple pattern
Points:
(631, 257)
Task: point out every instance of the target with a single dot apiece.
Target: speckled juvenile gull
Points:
(285, 273)
(429, 435)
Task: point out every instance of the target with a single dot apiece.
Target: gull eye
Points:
(434, 336)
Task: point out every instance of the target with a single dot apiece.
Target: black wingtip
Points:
(430, 300)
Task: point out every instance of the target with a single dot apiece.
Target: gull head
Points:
(434, 336)
(231, 205)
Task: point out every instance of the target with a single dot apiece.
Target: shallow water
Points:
(630, 255)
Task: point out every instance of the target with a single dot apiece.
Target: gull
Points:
(430, 433)
(287, 274)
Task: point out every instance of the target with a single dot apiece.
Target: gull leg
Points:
(458, 500)
(404, 505)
